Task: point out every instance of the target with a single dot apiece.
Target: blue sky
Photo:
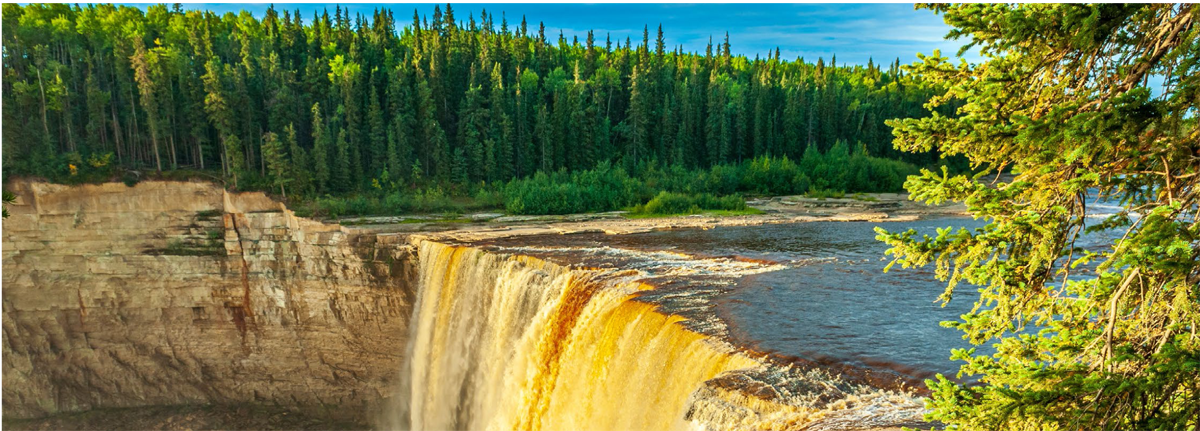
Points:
(854, 32)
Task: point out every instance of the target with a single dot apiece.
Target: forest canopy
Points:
(339, 104)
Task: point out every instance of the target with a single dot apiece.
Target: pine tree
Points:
(176, 85)
(341, 179)
(277, 163)
(147, 91)
(377, 142)
(471, 130)
(639, 116)
(501, 129)
(322, 172)
(299, 168)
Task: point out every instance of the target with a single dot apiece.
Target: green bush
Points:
(768, 176)
(602, 189)
(668, 203)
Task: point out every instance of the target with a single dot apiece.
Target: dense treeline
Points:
(341, 104)
(608, 187)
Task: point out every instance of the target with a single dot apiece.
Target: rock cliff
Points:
(170, 293)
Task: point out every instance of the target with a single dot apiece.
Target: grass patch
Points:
(711, 213)
(825, 194)
(179, 247)
(444, 220)
(673, 204)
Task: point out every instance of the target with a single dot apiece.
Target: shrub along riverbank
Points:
(650, 190)
(646, 189)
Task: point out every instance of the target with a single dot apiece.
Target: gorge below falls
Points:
(181, 294)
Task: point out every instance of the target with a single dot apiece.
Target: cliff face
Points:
(181, 293)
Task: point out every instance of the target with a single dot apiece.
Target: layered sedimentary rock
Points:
(180, 293)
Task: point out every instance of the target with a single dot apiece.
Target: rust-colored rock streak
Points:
(171, 293)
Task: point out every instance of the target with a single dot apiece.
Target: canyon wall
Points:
(171, 293)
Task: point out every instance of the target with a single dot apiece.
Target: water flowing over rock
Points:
(516, 343)
(172, 293)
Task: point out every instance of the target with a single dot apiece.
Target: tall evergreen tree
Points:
(322, 172)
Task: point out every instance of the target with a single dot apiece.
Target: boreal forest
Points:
(380, 114)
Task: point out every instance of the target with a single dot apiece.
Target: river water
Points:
(766, 324)
(829, 301)
(822, 296)
(832, 302)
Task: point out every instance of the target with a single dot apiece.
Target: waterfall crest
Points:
(515, 343)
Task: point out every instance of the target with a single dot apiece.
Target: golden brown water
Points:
(516, 343)
(512, 342)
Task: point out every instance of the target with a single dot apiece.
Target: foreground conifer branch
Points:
(1078, 101)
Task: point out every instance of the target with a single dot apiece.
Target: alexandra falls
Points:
(710, 217)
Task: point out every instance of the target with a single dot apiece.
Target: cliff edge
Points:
(170, 293)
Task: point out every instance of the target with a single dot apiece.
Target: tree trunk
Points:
(45, 122)
(154, 142)
(116, 130)
(67, 121)
(174, 161)
(133, 132)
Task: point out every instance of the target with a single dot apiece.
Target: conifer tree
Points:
(322, 173)
(1097, 338)
(277, 163)
(377, 142)
(501, 129)
(298, 170)
(342, 169)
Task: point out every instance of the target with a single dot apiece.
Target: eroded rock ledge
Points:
(170, 293)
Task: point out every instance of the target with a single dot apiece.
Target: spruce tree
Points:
(321, 153)
(377, 141)
(1097, 338)
(277, 163)
(342, 177)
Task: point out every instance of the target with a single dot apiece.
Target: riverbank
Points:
(874, 207)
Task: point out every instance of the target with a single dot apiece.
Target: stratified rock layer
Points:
(181, 293)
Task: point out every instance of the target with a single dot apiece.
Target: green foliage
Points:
(164, 88)
(1102, 338)
(602, 189)
(767, 176)
(8, 198)
(277, 163)
(668, 203)
(825, 194)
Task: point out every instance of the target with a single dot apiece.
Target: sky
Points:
(854, 32)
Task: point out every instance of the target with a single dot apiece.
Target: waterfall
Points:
(505, 342)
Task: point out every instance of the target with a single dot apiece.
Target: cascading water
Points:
(515, 343)
(511, 342)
